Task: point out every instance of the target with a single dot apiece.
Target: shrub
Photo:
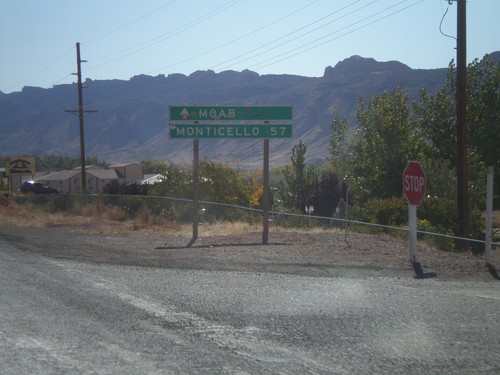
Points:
(442, 243)
(437, 215)
(392, 212)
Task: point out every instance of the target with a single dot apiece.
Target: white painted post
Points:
(412, 222)
(346, 212)
(489, 215)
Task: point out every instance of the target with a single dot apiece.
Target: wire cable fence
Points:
(156, 210)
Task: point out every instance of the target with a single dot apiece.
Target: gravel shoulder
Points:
(321, 254)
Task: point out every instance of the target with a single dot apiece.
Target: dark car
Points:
(37, 188)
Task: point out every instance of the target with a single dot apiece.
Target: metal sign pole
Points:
(196, 190)
(489, 215)
(265, 195)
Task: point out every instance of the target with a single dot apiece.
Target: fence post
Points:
(489, 215)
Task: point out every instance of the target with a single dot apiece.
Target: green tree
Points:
(176, 183)
(386, 138)
(436, 118)
(437, 114)
(437, 121)
(153, 166)
(484, 110)
(296, 175)
(340, 143)
(219, 183)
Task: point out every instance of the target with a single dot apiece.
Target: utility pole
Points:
(80, 112)
(461, 113)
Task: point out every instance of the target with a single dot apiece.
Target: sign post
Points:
(414, 189)
(237, 122)
(265, 194)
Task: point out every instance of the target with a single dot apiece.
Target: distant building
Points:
(69, 181)
(128, 172)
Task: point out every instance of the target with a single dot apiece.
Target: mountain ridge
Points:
(132, 119)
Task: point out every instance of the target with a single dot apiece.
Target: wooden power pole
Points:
(80, 112)
(461, 113)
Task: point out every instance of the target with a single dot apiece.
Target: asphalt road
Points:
(63, 316)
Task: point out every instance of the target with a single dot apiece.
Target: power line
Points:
(291, 33)
(287, 55)
(154, 41)
(309, 47)
(237, 39)
(138, 95)
(174, 87)
(129, 23)
(43, 69)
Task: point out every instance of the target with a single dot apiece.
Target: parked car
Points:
(37, 188)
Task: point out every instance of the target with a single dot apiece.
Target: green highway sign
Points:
(251, 115)
(241, 131)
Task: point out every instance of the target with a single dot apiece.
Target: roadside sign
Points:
(20, 165)
(197, 122)
(236, 114)
(414, 183)
(231, 131)
(238, 122)
(414, 190)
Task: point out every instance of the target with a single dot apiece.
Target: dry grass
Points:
(13, 215)
(110, 220)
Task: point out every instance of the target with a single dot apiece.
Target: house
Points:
(69, 181)
(128, 172)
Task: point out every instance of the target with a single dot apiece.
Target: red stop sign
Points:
(414, 183)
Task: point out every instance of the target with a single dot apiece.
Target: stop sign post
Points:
(414, 189)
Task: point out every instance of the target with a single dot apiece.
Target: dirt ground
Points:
(327, 253)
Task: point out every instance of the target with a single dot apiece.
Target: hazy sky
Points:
(123, 38)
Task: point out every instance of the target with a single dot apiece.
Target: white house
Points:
(128, 172)
(69, 181)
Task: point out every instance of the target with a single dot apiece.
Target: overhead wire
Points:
(275, 59)
(154, 41)
(301, 28)
(247, 34)
(309, 47)
(238, 38)
(38, 72)
(293, 32)
(129, 23)
(87, 42)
